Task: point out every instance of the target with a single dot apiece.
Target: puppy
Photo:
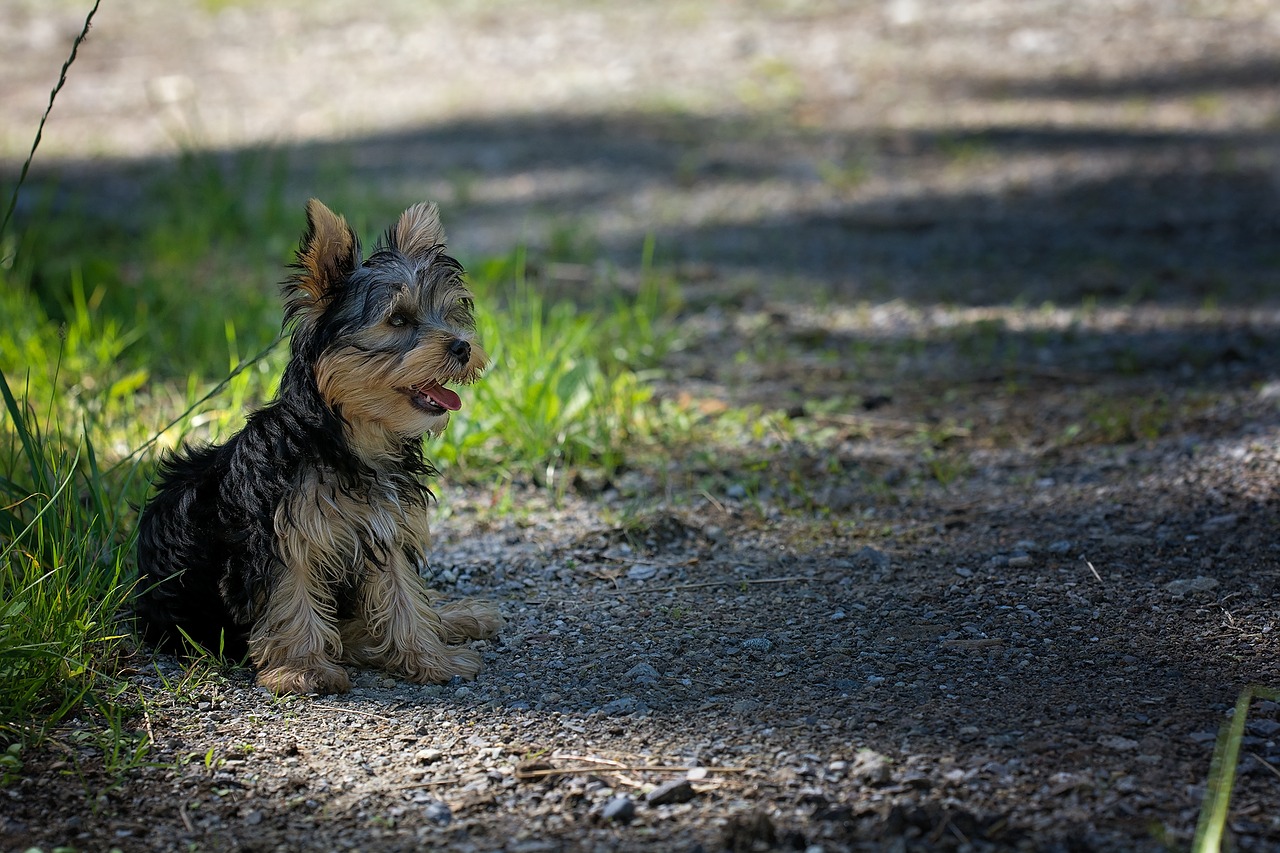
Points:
(299, 540)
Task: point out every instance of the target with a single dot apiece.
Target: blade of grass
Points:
(1215, 807)
(62, 79)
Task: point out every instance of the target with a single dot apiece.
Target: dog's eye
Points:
(400, 319)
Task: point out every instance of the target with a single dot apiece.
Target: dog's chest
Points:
(341, 531)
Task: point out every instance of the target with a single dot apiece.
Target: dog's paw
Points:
(469, 620)
(322, 677)
(437, 667)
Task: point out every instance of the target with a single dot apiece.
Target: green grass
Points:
(63, 573)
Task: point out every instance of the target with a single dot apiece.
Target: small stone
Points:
(675, 791)
(549, 698)
(1221, 522)
(745, 706)
(464, 692)
(438, 813)
(428, 756)
(758, 644)
(621, 706)
(1119, 744)
(641, 572)
(869, 768)
(736, 492)
(643, 673)
(1182, 586)
(963, 572)
(838, 615)
(871, 558)
(253, 817)
(696, 774)
(1019, 561)
(619, 810)
(1264, 728)
(1062, 546)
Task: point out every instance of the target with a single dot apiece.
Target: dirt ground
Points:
(990, 567)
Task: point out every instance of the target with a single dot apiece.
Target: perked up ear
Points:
(329, 252)
(418, 231)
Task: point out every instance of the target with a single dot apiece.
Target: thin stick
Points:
(186, 818)
(62, 79)
(715, 503)
(752, 582)
(146, 721)
(434, 783)
(1266, 764)
(1095, 571)
(634, 768)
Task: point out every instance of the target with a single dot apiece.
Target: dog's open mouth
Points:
(433, 398)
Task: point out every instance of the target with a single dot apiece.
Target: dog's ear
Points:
(328, 254)
(418, 231)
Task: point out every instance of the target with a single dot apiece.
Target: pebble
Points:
(1062, 546)
(641, 572)
(438, 813)
(619, 810)
(1221, 522)
(745, 706)
(428, 756)
(1019, 561)
(872, 558)
(1264, 728)
(1119, 744)
(621, 706)
(1182, 586)
(675, 791)
(643, 673)
(463, 692)
(838, 615)
(869, 768)
(758, 644)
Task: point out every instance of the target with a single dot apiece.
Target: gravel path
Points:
(995, 557)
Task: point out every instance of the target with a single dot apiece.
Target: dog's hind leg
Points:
(468, 619)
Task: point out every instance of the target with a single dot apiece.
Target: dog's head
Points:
(385, 336)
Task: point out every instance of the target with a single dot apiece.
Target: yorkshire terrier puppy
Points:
(300, 539)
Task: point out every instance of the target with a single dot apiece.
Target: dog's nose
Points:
(461, 350)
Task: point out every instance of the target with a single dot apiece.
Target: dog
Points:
(299, 541)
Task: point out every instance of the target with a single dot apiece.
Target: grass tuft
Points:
(62, 574)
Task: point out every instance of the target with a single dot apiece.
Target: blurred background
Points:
(959, 152)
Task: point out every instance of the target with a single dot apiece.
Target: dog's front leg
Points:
(295, 643)
(402, 633)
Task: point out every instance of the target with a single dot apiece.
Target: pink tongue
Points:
(442, 396)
